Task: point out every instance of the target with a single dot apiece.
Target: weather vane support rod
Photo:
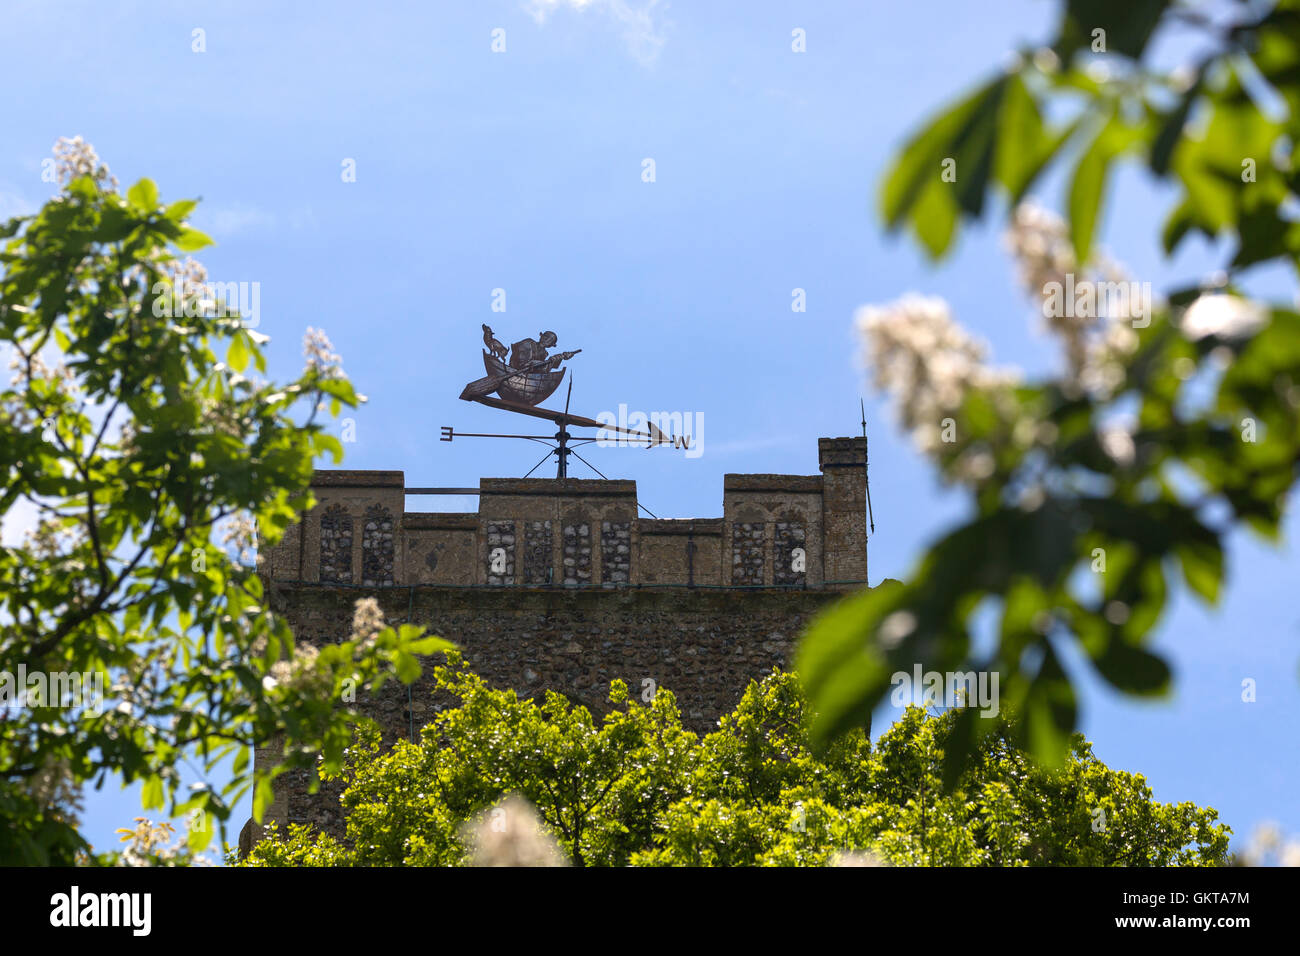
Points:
(866, 469)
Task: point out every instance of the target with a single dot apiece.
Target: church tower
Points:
(559, 584)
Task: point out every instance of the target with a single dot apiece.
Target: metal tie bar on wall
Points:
(474, 491)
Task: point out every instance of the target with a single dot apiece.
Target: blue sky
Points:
(522, 171)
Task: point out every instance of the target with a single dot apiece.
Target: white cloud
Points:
(236, 218)
(14, 203)
(642, 24)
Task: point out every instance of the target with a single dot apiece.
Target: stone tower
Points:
(557, 583)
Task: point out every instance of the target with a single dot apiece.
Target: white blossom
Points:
(51, 539)
(128, 441)
(75, 157)
(220, 415)
(1040, 243)
(1046, 60)
(1117, 442)
(896, 627)
(192, 277)
(37, 369)
(974, 465)
(1268, 846)
(189, 283)
(1223, 315)
(927, 362)
(857, 858)
(1097, 342)
(319, 352)
(367, 621)
(511, 834)
(300, 673)
(149, 841)
(240, 532)
(1268, 836)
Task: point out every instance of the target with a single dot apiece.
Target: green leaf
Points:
(1133, 669)
(1050, 712)
(1127, 25)
(198, 839)
(1025, 601)
(934, 218)
(915, 190)
(1277, 52)
(1171, 131)
(191, 240)
(143, 196)
(1086, 193)
(237, 354)
(1180, 223)
(180, 210)
(1263, 233)
(328, 443)
(1025, 145)
(407, 666)
(841, 666)
(263, 797)
(430, 645)
(1202, 563)
(151, 795)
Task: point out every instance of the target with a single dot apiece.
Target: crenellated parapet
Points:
(776, 531)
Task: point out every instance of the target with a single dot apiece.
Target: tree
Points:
(638, 789)
(1173, 422)
(132, 641)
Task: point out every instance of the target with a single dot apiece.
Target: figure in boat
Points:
(531, 353)
(530, 375)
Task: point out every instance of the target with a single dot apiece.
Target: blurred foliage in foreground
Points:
(138, 436)
(1174, 420)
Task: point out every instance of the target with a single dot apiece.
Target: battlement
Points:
(776, 531)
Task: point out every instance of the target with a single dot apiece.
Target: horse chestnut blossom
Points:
(1116, 440)
(1040, 243)
(930, 364)
(367, 621)
(1226, 316)
(75, 158)
(919, 354)
(1096, 345)
(319, 352)
(512, 834)
(192, 277)
(241, 532)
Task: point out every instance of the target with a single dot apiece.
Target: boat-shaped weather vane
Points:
(526, 374)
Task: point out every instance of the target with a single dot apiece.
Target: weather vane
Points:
(526, 374)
